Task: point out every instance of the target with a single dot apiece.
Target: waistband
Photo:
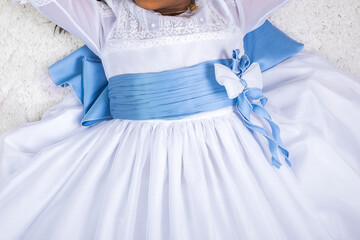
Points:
(168, 95)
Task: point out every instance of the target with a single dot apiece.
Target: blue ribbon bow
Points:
(253, 100)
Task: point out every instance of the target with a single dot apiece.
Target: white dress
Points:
(205, 176)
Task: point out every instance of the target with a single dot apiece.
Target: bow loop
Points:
(244, 77)
(239, 64)
(253, 76)
(228, 79)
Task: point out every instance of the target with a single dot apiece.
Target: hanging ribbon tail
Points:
(84, 73)
(245, 107)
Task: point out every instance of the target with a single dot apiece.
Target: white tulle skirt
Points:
(204, 177)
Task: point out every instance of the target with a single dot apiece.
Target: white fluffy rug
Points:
(29, 46)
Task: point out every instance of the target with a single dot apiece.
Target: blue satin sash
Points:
(83, 70)
(171, 94)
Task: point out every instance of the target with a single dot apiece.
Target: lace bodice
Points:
(131, 39)
(137, 28)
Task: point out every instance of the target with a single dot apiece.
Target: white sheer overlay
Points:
(201, 177)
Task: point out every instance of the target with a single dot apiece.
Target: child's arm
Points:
(79, 17)
(253, 13)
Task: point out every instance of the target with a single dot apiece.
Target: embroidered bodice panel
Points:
(137, 28)
(137, 35)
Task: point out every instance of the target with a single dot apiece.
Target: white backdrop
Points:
(29, 46)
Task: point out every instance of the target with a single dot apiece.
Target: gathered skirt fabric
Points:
(202, 177)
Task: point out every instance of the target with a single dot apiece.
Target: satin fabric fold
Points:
(84, 73)
(269, 46)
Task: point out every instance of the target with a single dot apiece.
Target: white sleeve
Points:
(81, 18)
(253, 13)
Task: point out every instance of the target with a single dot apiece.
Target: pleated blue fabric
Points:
(171, 94)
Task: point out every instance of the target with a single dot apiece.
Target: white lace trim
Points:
(105, 10)
(138, 28)
(35, 3)
(20, 1)
(231, 2)
(115, 46)
(39, 3)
